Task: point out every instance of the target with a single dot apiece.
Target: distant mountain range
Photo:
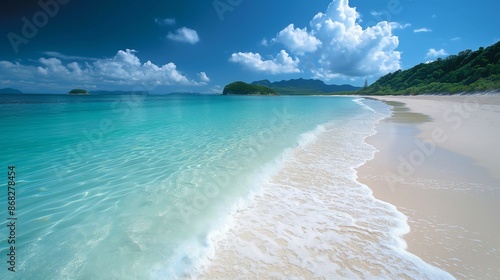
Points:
(10, 90)
(305, 87)
(117, 92)
(96, 92)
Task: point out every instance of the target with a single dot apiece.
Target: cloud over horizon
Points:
(282, 63)
(337, 45)
(203, 77)
(123, 69)
(433, 53)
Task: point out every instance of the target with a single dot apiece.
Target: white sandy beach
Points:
(444, 174)
(436, 162)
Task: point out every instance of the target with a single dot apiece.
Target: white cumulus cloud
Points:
(203, 77)
(336, 45)
(433, 53)
(185, 35)
(396, 25)
(422, 30)
(298, 40)
(376, 13)
(281, 64)
(350, 50)
(165, 21)
(123, 69)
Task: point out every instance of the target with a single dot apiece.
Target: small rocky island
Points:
(78, 91)
(242, 88)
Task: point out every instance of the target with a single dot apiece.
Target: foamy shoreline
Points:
(438, 162)
(313, 220)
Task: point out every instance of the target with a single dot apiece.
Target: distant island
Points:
(106, 92)
(289, 87)
(307, 87)
(469, 71)
(242, 88)
(10, 91)
(78, 91)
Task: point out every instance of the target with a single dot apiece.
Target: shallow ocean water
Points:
(151, 187)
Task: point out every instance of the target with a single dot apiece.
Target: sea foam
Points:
(313, 220)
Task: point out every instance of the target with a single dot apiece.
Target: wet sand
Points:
(439, 164)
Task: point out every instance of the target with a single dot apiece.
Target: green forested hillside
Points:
(469, 71)
(78, 91)
(242, 88)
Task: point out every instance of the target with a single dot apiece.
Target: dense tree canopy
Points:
(469, 71)
(242, 88)
(78, 91)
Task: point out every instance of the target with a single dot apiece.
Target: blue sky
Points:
(52, 46)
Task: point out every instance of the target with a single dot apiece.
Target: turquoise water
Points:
(136, 187)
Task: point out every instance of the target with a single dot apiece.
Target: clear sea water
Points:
(159, 187)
